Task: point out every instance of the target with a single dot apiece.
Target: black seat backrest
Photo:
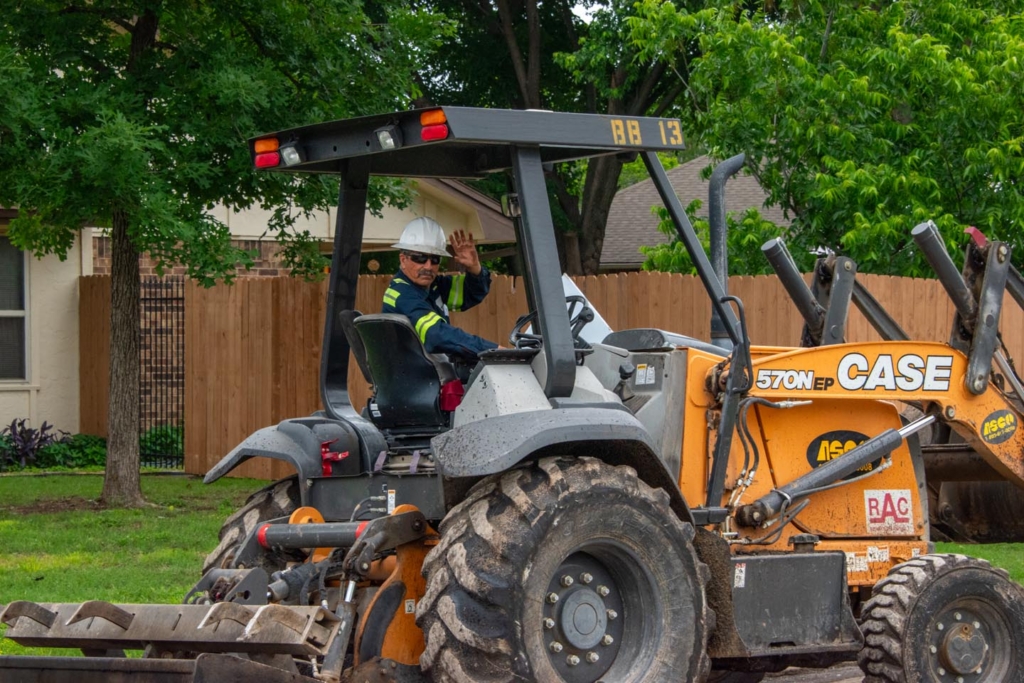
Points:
(406, 379)
(347, 320)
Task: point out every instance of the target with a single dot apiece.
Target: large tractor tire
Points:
(566, 570)
(276, 500)
(944, 618)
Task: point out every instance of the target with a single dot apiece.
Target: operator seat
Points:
(347, 321)
(406, 379)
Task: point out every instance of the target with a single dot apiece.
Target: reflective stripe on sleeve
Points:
(455, 294)
(425, 323)
(391, 296)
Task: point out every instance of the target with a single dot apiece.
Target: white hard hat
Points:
(424, 235)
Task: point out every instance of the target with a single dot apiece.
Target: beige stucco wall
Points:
(51, 392)
(382, 230)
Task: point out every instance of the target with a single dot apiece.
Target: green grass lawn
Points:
(71, 551)
(56, 546)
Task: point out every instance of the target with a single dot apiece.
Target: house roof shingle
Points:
(632, 225)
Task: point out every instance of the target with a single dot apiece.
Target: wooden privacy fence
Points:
(252, 349)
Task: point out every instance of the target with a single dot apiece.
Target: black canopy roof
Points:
(478, 141)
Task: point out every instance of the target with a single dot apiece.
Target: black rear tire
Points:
(944, 617)
(273, 501)
(569, 551)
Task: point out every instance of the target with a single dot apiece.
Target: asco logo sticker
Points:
(831, 445)
(999, 426)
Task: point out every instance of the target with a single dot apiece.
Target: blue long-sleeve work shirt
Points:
(427, 309)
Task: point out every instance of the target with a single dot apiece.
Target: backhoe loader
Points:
(651, 507)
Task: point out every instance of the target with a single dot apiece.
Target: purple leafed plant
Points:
(20, 443)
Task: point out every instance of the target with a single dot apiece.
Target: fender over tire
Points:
(944, 617)
(565, 570)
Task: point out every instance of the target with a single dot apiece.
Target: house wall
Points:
(378, 231)
(248, 227)
(51, 391)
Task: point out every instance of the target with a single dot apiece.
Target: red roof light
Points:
(268, 159)
(437, 132)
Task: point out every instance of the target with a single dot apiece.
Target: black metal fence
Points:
(162, 372)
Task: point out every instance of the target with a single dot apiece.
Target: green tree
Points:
(861, 120)
(528, 54)
(133, 115)
(745, 235)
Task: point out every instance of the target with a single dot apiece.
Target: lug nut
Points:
(957, 616)
(586, 577)
(612, 614)
(941, 626)
(977, 624)
(592, 657)
(934, 649)
(603, 591)
(549, 623)
(607, 640)
(572, 660)
(567, 581)
(552, 598)
(555, 647)
(942, 672)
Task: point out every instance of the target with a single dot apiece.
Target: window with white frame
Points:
(13, 348)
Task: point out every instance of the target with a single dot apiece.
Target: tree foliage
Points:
(861, 120)
(745, 235)
(529, 54)
(133, 115)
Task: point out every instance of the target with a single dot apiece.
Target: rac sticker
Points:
(909, 372)
(889, 512)
(831, 445)
(998, 427)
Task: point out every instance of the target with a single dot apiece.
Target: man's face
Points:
(420, 273)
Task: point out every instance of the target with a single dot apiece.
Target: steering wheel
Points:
(579, 315)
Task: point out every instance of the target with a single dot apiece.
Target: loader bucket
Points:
(226, 637)
(206, 668)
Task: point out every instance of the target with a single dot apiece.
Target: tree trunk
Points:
(121, 486)
(598, 192)
(571, 246)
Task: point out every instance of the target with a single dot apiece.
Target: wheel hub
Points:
(961, 645)
(582, 619)
(963, 649)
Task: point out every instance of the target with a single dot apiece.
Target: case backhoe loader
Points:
(650, 508)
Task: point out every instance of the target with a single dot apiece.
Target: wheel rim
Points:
(970, 642)
(593, 614)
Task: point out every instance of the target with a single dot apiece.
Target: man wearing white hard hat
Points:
(420, 293)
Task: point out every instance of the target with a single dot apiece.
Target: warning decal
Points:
(739, 578)
(889, 512)
(645, 374)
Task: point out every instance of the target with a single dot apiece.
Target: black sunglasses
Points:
(423, 258)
